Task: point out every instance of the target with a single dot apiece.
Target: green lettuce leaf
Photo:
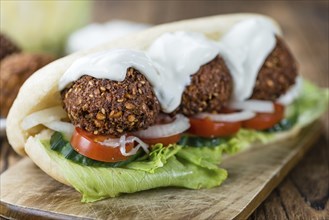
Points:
(311, 104)
(244, 139)
(99, 183)
(158, 157)
(205, 157)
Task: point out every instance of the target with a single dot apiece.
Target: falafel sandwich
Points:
(162, 107)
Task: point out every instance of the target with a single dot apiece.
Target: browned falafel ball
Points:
(210, 89)
(14, 70)
(7, 47)
(102, 106)
(277, 74)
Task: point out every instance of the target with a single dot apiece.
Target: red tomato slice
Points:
(207, 128)
(264, 121)
(86, 144)
(164, 140)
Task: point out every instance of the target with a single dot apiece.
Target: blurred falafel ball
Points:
(105, 107)
(277, 74)
(210, 89)
(7, 47)
(14, 70)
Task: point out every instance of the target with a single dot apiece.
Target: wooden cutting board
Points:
(27, 192)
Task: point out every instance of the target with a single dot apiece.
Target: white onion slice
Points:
(179, 125)
(253, 105)
(229, 117)
(44, 116)
(60, 126)
(123, 141)
(111, 142)
(133, 151)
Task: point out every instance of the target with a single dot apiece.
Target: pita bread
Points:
(36, 151)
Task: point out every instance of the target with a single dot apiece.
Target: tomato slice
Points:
(86, 144)
(264, 121)
(163, 140)
(209, 129)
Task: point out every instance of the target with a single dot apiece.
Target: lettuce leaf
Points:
(311, 104)
(99, 183)
(244, 139)
(158, 157)
(204, 157)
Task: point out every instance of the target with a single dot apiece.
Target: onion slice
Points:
(230, 117)
(133, 151)
(123, 141)
(253, 105)
(44, 116)
(179, 125)
(111, 142)
(60, 126)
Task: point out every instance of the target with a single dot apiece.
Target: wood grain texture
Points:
(28, 192)
(303, 194)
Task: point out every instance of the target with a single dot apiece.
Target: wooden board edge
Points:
(285, 169)
(11, 211)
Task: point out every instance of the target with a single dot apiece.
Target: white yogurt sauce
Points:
(177, 56)
(112, 64)
(168, 65)
(245, 48)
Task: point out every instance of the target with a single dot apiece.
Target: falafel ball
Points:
(210, 89)
(14, 70)
(7, 46)
(102, 106)
(277, 74)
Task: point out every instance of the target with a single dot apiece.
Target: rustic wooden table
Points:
(304, 193)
